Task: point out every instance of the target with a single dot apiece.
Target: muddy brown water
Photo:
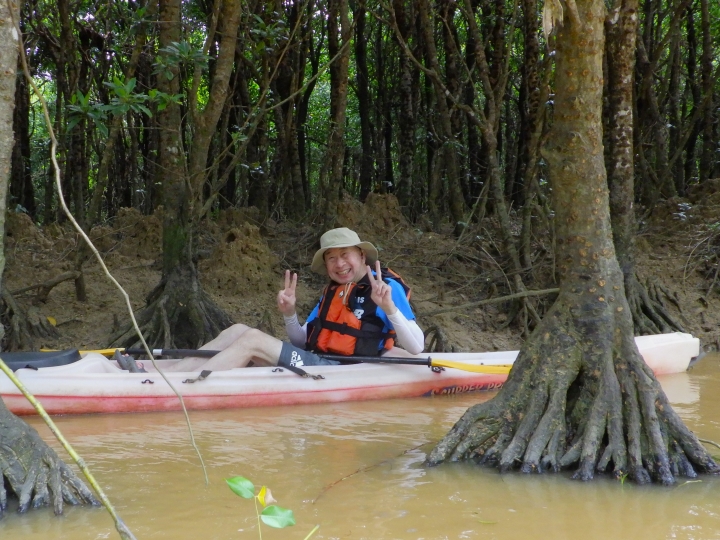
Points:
(152, 475)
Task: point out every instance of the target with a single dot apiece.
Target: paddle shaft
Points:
(204, 353)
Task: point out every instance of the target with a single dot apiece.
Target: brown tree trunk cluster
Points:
(579, 395)
(29, 468)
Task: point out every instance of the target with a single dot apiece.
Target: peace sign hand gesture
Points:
(286, 298)
(381, 292)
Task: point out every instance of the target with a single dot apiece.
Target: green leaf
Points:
(144, 109)
(277, 517)
(241, 486)
(73, 122)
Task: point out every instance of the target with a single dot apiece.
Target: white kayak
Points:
(95, 384)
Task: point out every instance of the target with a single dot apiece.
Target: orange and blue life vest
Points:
(348, 322)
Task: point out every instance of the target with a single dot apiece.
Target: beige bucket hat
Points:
(339, 238)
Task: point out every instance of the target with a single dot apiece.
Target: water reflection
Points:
(370, 454)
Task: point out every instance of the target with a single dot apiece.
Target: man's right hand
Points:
(286, 298)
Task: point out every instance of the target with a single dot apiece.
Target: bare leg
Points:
(251, 344)
(223, 340)
(226, 338)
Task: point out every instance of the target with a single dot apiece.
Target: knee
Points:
(235, 331)
(250, 336)
(253, 340)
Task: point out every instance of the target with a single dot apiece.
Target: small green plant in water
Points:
(622, 479)
(271, 515)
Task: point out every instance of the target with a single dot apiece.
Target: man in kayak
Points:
(361, 312)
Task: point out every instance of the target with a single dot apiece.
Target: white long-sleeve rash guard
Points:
(409, 335)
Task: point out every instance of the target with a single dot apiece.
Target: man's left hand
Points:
(381, 292)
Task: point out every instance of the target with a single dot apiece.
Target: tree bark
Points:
(176, 216)
(406, 113)
(29, 468)
(21, 182)
(528, 102)
(691, 80)
(364, 108)
(95, 207)
(579, 394)
(206, 120)
(649, 317)
(314, 52)
(447, 140)
(8, 63)
(709, 147)
(339, 33)
(178, 311)
(674, 115)
(33, 471)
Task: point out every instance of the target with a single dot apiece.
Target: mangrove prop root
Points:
(24, 327)
(178, 315)
(551, 425)
(579, 397)
(650, 315)
(33, 471)
(438, 339)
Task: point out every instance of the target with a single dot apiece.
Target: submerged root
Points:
(515, 450)
(33, 471)
(573, 402)
(546, 439)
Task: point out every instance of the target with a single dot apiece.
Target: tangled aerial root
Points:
(647, 305)
(572, 402)
(33, 471)
(23, 327)
(179, 314)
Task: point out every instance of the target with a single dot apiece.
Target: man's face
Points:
(345, 265)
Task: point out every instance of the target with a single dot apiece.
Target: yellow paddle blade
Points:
(497, 369)
(104, 352)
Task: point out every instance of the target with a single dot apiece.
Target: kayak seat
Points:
(39, 359)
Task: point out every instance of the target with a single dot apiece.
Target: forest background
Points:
(205, 147)
(418, 124)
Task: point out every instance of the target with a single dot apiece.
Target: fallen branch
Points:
(522, 294)
(365, 469)
(706, 441)
(47, 286)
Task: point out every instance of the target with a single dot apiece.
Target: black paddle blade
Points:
(39, 359)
